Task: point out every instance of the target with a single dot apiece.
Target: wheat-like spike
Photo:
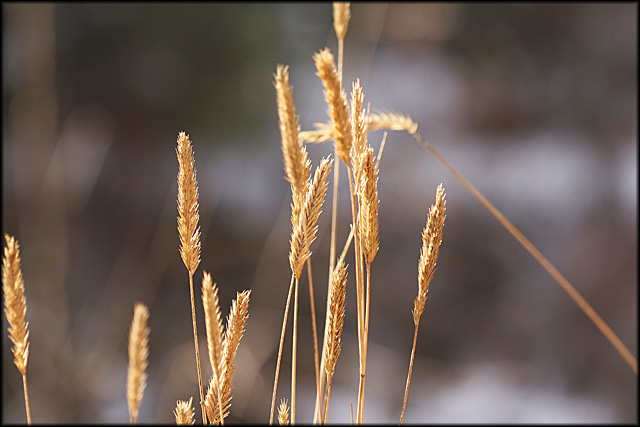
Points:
(358, 118)
(213, 323)
(188, 209)
(392, 121)
(337, 102)
(283, 413)
(15, 303)
(296, 160)
(377, 121)
(359, 129)
(431, 240)
(337, 299)
(138, 359)
(184, 412)
(341, 16)
(213, 320)
(304, 231)
(368, 196)
(16, 312)
(322, 133)
(336, 317)
(236, 323)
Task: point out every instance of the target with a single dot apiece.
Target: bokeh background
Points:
(536, 104)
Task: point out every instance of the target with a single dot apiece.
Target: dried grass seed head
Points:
(431, 240)
(184, 412)
(341, 16)
(188, 208)
(15, 303)
(336, 101)
(296, 160)
(369, 203)
(336, 316)
(138, 358)
(213, 322)
(304, 231)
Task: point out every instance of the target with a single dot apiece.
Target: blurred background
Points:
(536, 104)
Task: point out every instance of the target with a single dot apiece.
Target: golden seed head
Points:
(341, 16)
(337, 102)
(138, 358)
(431, 240)
(188, 208)
(184, 412)
(304, 230)
(283, 413)
(296, 160)
(15, 303)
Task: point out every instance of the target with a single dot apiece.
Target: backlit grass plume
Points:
(431, 240)
(189, 231)
(16, 311)
(138, 359)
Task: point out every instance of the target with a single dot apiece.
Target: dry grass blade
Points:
(16, 312)
(213, 323)
(341, 16)
(304, 232)
(184, 412)
(431, 240)
(138, 359)
(337, 102)
(188, 210)
(283, 413)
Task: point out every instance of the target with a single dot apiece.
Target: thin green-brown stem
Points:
(195, 342)
(284, 325)
(406, 390)
(316, 363)
(294, 355)
(559, 278)
(26, 398)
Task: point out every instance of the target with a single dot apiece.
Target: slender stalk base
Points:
(26, 398)
(284, 325)
(195, 342)
(406, 390)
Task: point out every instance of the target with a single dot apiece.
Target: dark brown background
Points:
(535, 104)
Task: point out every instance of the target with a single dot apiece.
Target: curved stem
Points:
(406, 390)
(559, 278)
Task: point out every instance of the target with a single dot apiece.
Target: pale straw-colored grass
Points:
(138, 359)
(16, 312)
(184, 412)
(431, 240)
(189, 231)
